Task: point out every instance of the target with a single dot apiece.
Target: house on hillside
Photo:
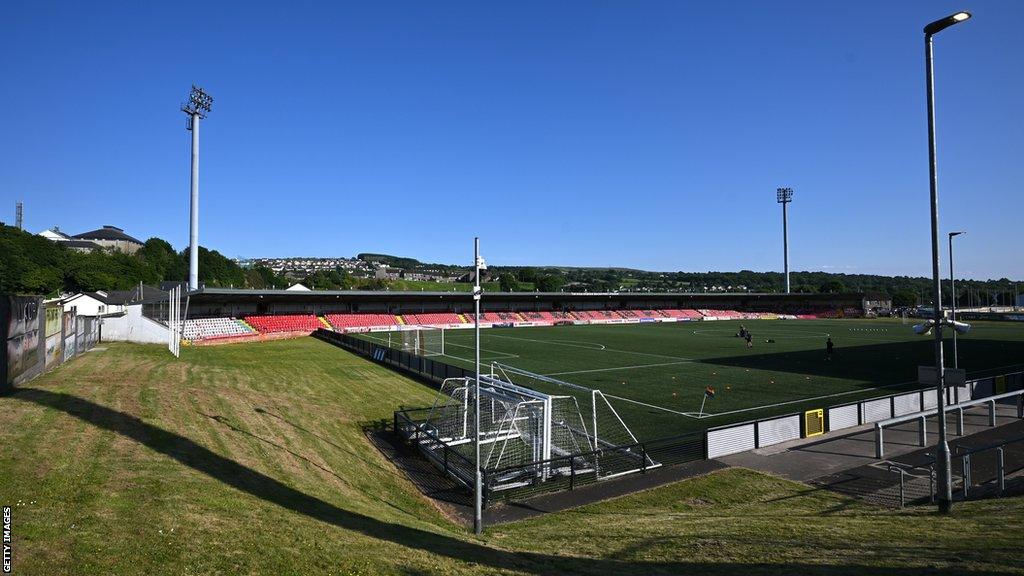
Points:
(55, 235)
(107, 303)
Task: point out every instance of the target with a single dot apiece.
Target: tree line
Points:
(31, 264)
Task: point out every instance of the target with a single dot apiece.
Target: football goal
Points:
(423, 341)
(528, 435)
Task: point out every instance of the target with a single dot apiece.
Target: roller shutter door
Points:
(778, 430)
(907, 404)
(842, 417)
(930, 401)
(875, 410)
(730, 440)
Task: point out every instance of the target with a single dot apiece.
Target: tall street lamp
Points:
(952, 288)
(945, 484)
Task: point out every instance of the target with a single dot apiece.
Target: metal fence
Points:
(743, 436)
(543, 476)
(409, 363)
(522, 480)
(572, 471)
(35, 336)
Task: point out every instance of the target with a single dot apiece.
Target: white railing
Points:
(922, 418)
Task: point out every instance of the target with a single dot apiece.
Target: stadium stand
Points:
(722, 314)
(342, 321)
(432, 318)
(206, 328)
(628, 314)
(536, 316)
(284, 323)
(500, 317)
(692, 314)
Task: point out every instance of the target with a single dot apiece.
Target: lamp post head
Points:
(952, 234)
(942, 24)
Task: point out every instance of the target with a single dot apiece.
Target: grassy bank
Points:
(250, 459)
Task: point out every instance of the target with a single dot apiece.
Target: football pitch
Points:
(655, 375)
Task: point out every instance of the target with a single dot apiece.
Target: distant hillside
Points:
(393, 261)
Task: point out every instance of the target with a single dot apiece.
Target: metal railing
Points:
(544, 476)
(922, 418)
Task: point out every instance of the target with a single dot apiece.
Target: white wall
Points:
(134, 327)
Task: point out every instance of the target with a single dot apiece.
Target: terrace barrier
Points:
(922, 418)
(753, 434)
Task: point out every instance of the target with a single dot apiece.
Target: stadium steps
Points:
(401, 321)
(324, 322)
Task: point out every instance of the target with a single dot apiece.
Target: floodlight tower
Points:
(784, 196)
(197, 107)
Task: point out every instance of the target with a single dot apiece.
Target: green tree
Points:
(832, 287)
(904, 298)
(508, 282)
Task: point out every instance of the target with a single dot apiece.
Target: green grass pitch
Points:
(666, 366)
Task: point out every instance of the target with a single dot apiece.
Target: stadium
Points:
(175, 411)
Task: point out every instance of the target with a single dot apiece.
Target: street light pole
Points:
(478, 521)
(952, 288)
(942, 460)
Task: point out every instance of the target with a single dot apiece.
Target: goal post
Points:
(424, 341)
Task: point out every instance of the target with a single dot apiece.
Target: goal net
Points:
(529, 435)
(424, 341)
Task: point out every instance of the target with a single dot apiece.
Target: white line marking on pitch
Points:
(635, 366)
(557, 343)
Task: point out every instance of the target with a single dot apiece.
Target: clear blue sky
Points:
(640, 134)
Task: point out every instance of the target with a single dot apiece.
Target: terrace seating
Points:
(432, 318)
(205, 328)
(722, 314)
(535, 316)
(628, 313)
(285, 323)
(674, 313)
(361, 320)
(500, 317)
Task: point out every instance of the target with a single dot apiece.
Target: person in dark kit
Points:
(750, 340)
(829, 345)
